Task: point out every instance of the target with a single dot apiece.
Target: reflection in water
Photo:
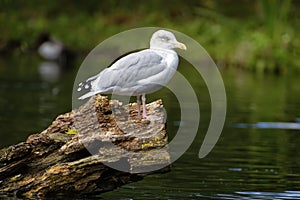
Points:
(246, 163)
(269, 195)
(254, 195)
(50, 71)
(269, 125)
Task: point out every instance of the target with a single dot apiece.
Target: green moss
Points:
(16, 178)
(71, 131)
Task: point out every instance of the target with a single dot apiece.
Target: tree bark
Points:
(95, 148)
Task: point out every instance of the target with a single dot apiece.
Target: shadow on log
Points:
(93, 149)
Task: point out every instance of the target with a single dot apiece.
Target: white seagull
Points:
(139, 73)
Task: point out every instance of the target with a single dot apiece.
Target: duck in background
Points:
(57, 58)
(53, 49)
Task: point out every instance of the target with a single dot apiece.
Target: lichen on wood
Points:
(95, 148)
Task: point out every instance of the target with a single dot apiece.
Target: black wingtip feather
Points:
(86, 85)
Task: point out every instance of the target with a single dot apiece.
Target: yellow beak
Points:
(180, 46)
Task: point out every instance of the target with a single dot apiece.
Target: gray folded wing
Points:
(129, 71)
(141, 72)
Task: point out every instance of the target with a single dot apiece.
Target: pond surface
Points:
(247, 162)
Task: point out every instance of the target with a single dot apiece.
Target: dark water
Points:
(246, 163)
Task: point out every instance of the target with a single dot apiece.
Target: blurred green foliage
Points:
(258, 35)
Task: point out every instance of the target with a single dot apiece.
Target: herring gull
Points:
(139, 73)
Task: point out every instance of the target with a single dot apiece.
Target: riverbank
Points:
(259, 36)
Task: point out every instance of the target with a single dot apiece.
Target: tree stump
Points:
(95, 148)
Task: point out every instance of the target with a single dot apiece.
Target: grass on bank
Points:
(263, 39)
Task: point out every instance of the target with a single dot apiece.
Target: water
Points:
(246, 163)
(30, 97)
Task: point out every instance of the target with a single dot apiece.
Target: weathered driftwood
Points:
(93, 149)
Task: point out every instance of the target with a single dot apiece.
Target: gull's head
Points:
(165, 40)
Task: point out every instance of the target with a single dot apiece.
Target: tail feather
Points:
(89, 94)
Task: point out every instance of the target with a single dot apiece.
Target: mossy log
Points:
(95, 148)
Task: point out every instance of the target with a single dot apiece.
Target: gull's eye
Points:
(165, 39)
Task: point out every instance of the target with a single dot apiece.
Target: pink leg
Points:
(138, 106)
(144, 106)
